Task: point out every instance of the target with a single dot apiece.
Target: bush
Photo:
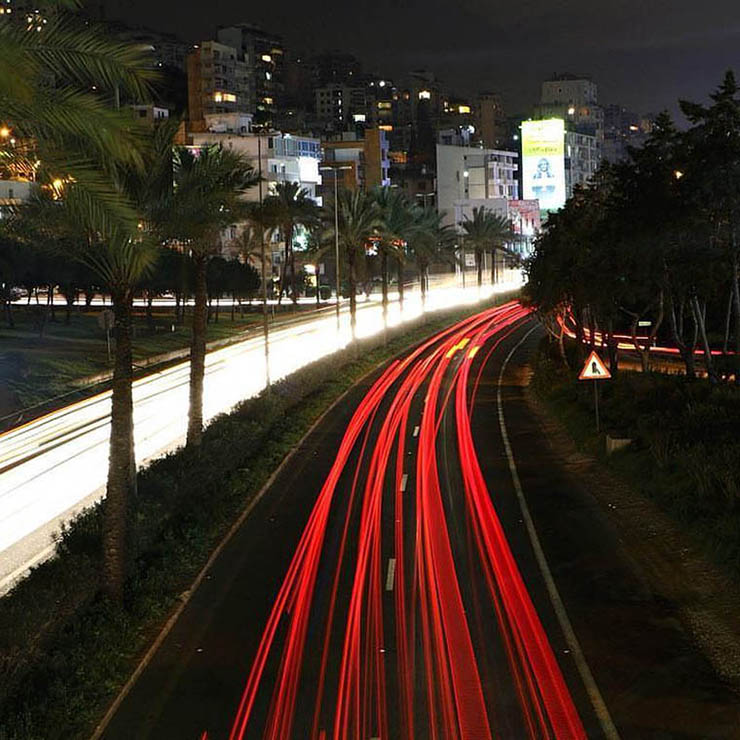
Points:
(685, 451)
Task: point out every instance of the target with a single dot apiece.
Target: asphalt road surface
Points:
(424, 568)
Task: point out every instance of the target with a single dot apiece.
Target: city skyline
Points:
(645, 59)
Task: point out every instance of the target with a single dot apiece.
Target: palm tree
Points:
(71, 139)
(430, 241)
(358, 219)
(70, 135)
(396, 223)
(206, 198)
(289, 207)
(486, 232)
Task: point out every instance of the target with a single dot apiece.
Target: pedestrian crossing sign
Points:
(594, 369)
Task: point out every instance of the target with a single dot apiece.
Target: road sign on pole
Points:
(594, 369)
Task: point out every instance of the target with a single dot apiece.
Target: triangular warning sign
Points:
(594, 369)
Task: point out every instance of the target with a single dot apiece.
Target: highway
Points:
(423, 567)
(52, 466)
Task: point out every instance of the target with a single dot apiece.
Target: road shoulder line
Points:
(597, 701)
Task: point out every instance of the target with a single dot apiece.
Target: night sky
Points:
(642, 53)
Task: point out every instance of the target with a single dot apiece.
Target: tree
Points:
(430, 241)
(712, 176)
(69, 136)
(395, 225)
(72, 140)
(358, 219)
(486, 232)
(289, 208)
(207, 197)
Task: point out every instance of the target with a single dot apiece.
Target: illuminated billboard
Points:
(543, 162)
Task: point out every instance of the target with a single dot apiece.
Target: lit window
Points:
(218, 97)
(385, 127)
(425, 95)
(267, 101)
(463, 109)
(384, 106)
(229, 98)
(266, 58)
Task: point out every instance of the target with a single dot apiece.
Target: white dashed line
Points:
(391, 577)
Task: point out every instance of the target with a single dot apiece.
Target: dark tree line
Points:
(652, 247)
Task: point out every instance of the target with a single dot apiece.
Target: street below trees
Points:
(426, 565)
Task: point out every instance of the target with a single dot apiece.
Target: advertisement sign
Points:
(543, 162)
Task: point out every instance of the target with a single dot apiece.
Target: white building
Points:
(13, 193)
(280, 158)
(467, 174)
(582, 159)
(284, 157)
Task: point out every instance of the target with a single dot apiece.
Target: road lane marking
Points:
(404, 480)
(416, 431)
(597, 701)
(391, 577)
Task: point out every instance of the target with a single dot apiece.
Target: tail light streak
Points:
(428, 608)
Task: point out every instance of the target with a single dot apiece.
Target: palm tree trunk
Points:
(384, 279)
(283, 272)
(293, 278)
(318, 286)
(400, 284)
(479, 265)
(197, 353)
(352, 293)
(121, 487)
(493, 266)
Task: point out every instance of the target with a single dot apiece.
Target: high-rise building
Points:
(574, 98)
(365, 154)
(217, 83)
(623, 129)
(336, 68)
(340, 106)
(490, 120)
(263, 53)
(468, 175)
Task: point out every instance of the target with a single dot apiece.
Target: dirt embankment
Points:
(667, 556)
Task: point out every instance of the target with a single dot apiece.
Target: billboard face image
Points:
(543, 162)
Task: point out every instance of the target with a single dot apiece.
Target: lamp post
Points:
(336, 230)
(265, 323)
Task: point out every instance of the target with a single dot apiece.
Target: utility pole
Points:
(261, 226)
(335, 171)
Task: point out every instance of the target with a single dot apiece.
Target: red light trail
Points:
(406, 664)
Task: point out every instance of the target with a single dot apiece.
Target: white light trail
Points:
(52, 463)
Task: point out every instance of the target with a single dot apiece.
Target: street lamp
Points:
(336, 229)
(260, 225)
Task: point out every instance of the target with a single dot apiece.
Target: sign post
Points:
(106, 319)
(595, 370)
